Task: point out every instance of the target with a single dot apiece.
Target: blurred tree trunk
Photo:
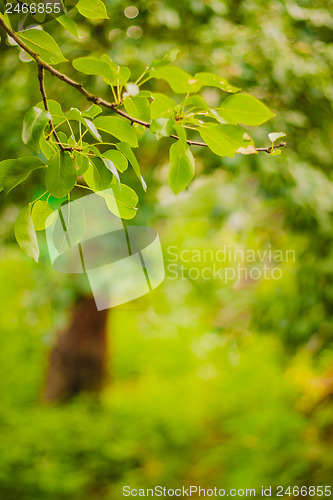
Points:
(78, 360)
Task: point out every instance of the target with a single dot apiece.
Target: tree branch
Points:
(46, 106)
(42, 65)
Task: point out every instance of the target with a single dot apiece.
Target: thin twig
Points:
(93, 98)
(46, 106)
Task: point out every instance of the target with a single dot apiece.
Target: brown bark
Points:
(78, 360)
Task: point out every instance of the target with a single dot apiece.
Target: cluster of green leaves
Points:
(75, 144)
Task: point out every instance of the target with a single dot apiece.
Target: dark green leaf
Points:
(98, 176)
(61, 175)
(19, 170)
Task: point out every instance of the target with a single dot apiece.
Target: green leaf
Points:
(117, 158)
(121, 201)
(61, 175)
(110, 166)
(181, 168)
(211, 80)
(118, 128)
(276, 152)
(138, 107)
(93, 130)
(47, 149)
(57, 114)
(128, 153)
(34, 123)
(98, 176)
(68, 24)
(25, 233)
(17, 171)
(122, 73)
(242, 108)
(223, 140)
(162, 106)
(180, 81)
(40, 212)
(75, 114)
(181, 132)
(197, 102)
(92, 112)
(93, 9)
(82, 163)
(169, 57)
(162, 127)
(94, 66)
(44, 45)
(274, 136)
(4, 166)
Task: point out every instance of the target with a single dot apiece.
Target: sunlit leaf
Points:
(180, 81)
(246, 109)
(181, 168)
(223, 140)
(162, 106)
(117, 158)
(93, 9)
(68, 24)
(138, 107)
(43, 44)
(211, 80)
(117, 127)
(121, 201)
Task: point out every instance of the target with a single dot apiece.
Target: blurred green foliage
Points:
(210, 384)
